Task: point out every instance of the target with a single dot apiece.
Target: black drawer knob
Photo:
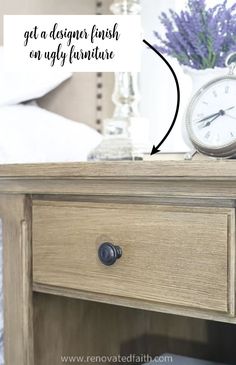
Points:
(109, 253)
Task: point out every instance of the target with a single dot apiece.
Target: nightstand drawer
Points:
(174, 255)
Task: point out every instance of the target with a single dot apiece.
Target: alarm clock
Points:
(211, 115)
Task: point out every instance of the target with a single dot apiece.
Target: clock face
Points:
(211, 117)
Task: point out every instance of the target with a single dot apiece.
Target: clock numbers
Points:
(200, 115)
(211, 118)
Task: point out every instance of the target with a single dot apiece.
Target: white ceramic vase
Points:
(201, 77)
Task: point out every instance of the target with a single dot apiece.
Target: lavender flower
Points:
(199, 37)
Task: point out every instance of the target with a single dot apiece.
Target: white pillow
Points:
(17, 87)
(30, 134)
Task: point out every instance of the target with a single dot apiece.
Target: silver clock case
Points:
(225, 151)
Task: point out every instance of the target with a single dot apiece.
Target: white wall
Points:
(179, 4)
(157, 84)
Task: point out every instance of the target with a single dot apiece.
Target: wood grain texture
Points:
(220, 190)
(157, 179)
(15, 212)
(205, 189)
(68, 326)
(172, 255)
(134, 303)
(231, 263)
(176, 224)
(220, 169)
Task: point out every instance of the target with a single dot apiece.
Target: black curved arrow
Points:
(156, 149)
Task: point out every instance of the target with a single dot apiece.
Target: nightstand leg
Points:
(15, 212)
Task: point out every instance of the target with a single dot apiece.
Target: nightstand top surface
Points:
(141, 169)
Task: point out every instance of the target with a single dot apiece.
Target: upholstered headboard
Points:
(86, 97)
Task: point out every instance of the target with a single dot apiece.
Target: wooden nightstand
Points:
(168, 235)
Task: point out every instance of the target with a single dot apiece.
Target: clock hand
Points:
(206, 118)
(230, 116)
(210, 121)
(232, 107)
(221, 112)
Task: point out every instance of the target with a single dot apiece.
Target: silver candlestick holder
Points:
(126, 7)
(126, 133)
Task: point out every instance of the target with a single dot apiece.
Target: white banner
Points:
(77, 43)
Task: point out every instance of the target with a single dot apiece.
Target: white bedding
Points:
(18, 87)
(29, 134)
